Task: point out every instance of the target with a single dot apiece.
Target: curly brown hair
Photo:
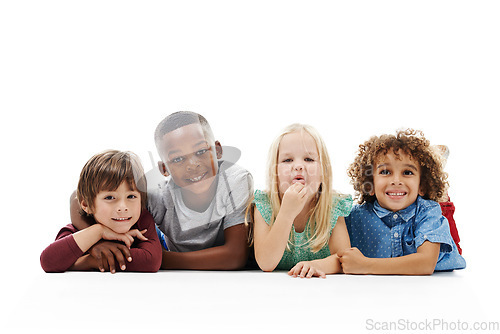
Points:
(433, 179)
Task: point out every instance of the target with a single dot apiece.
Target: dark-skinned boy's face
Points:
(190, 159)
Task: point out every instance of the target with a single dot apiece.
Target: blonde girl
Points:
(298, 224)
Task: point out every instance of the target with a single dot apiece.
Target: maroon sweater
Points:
(60, 255)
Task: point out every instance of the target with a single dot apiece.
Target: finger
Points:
(296, 270)
(138, 234)
(310, 273)
(119, 258)
(126, 252)
(111, 261)
(320, 273)
(304, 270)
(100, 264)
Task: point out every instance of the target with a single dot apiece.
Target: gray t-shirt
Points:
(187, 230)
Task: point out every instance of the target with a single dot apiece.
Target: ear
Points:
(85, 207)
(218, 149)
(421, 191)
(163, 169)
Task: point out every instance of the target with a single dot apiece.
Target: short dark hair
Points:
(177, 120)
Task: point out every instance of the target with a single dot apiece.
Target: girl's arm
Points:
(339, 239)
(422, 262)
(230, 256)
(270, 241)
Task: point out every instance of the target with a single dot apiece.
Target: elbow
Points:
(238, 260)
(428, 270)
(265, 265)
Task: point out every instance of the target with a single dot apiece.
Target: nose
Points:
(396, 181)
(298, 166)
(192, 162)
(122, 206)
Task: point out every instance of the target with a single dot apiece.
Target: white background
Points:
(80, 77)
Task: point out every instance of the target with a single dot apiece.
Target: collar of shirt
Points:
(406, 214)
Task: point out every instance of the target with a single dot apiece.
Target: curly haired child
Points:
(398, 226)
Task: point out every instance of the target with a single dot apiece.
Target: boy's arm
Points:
(230, 256)
(422, 262)
(146, 254)
(79, 221)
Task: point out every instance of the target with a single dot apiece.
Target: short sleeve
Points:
(239, 188)
(156, 206)
(341, 207)
(262, 203)
(432, 226)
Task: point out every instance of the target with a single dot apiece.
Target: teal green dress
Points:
(300, 251)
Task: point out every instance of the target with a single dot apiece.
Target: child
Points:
(201, 207)
(398, 228)
(111, 190)
(299, 222)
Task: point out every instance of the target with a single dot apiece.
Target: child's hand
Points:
(294, 199)
(126, 238)
(107, 253)
(306, 269)
(353, 261)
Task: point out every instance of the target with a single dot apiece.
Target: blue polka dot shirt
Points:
(381, 233)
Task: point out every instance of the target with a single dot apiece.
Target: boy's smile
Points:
(117, 209)
(396, 181)
(190, 158)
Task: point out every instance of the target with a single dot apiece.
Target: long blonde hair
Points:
(320, 215)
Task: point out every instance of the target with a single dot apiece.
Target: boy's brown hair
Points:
(411, 142)
(106, 171)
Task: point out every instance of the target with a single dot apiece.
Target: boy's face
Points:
(190, 159)
(118, 209)
(396, 181)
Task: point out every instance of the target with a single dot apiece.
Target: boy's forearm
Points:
(85, 263)
(413, 264)
(215, 258)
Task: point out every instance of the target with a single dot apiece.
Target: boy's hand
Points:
(294, 199)
(306, 269)
(353, 261)
(126, 238)
(107, 253)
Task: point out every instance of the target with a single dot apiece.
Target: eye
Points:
(384, 172)
(132, 196)
(309, 159)
(109, 197)
(408, 172)
(202, 151)
(287, 160)
(177, 159)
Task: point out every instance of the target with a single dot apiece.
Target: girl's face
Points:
(118, 210)
(396, 181)
(298, 162)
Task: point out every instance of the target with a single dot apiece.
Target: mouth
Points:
(121, 219)
(197, 178)
(299, 179)
(396, 194)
